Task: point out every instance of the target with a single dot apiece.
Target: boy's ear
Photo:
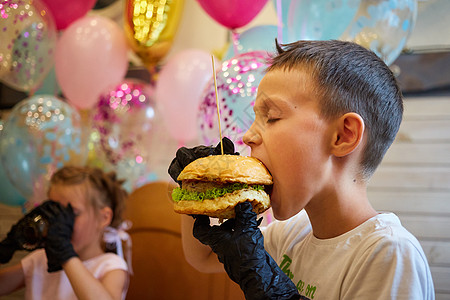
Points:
(106, 215)
(348, 134)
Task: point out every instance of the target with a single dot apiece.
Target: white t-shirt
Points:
(379, 259)
(39, 284)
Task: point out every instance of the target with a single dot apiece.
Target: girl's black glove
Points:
(58, 246)
(185, 156)
(22, 236)
(8, 246)
(239, 245)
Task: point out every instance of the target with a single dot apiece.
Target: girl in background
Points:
(74, 264)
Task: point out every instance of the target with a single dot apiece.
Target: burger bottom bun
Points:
(223, 207)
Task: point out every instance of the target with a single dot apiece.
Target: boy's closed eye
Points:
(271, 120)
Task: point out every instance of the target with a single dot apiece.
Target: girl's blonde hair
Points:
(102, 189)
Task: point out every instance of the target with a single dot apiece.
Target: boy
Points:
(325, 115)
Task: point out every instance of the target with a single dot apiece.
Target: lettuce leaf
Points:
(179, 194)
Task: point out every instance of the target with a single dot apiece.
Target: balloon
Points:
(9, 195)
(41, 134)
(383, 26)
(315, 19)
(258, 38)
(49, 86)
(232, 13)
(178, 91)
(112, 9)
(237, 84)
(66, 12)
(90, 55)
(28, 38)
(123, 122)
(150, 26)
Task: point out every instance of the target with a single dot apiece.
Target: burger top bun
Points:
(227, 168)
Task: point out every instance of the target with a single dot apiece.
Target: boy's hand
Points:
(239, 245)
(58, 246)
(185, 156)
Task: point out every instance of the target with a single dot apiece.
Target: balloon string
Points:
(280, 22)
(235, 41)
(217, 102)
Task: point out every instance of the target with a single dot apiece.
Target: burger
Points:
(214, 185)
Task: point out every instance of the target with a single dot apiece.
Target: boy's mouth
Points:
(269, 190)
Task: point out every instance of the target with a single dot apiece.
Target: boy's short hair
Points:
(350, 78)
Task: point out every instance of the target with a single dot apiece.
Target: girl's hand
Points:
(58, 247)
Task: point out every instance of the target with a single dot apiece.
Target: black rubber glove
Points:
(239, 245)
(21, 236)
(185, 156)
(58, 246)
(8, 246)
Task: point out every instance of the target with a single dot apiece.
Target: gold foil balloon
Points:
(150, 26)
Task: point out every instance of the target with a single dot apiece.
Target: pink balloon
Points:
(178, 90)
(65, 12)
(233, 13)
(90, 56)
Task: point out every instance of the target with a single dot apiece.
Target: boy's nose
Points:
(251, 137)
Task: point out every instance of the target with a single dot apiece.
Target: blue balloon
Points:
(9, 195)
(258, 38)
(315, 19)
(41, 134)
(50, 85)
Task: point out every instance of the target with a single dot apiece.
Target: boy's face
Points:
(291, 138)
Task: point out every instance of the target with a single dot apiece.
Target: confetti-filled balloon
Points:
(28, 38)
(123, 122)
(314, 19)
(383, 26)
(41, 134)
(237, 85)
(258, 38)
(150, 26)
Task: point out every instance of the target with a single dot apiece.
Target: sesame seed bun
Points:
(219, 171)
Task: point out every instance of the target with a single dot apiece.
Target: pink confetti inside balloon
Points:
(123, 121)
(237, 84)
(28, 38)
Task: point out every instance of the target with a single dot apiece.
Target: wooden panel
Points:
(425, 130)
(400, 201)
(426, 107)
(427, 227)
(429, 178)
(437, 252)
(418, 154)
(440, 296)
(440, 279)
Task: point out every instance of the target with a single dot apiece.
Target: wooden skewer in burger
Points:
(214, 185)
